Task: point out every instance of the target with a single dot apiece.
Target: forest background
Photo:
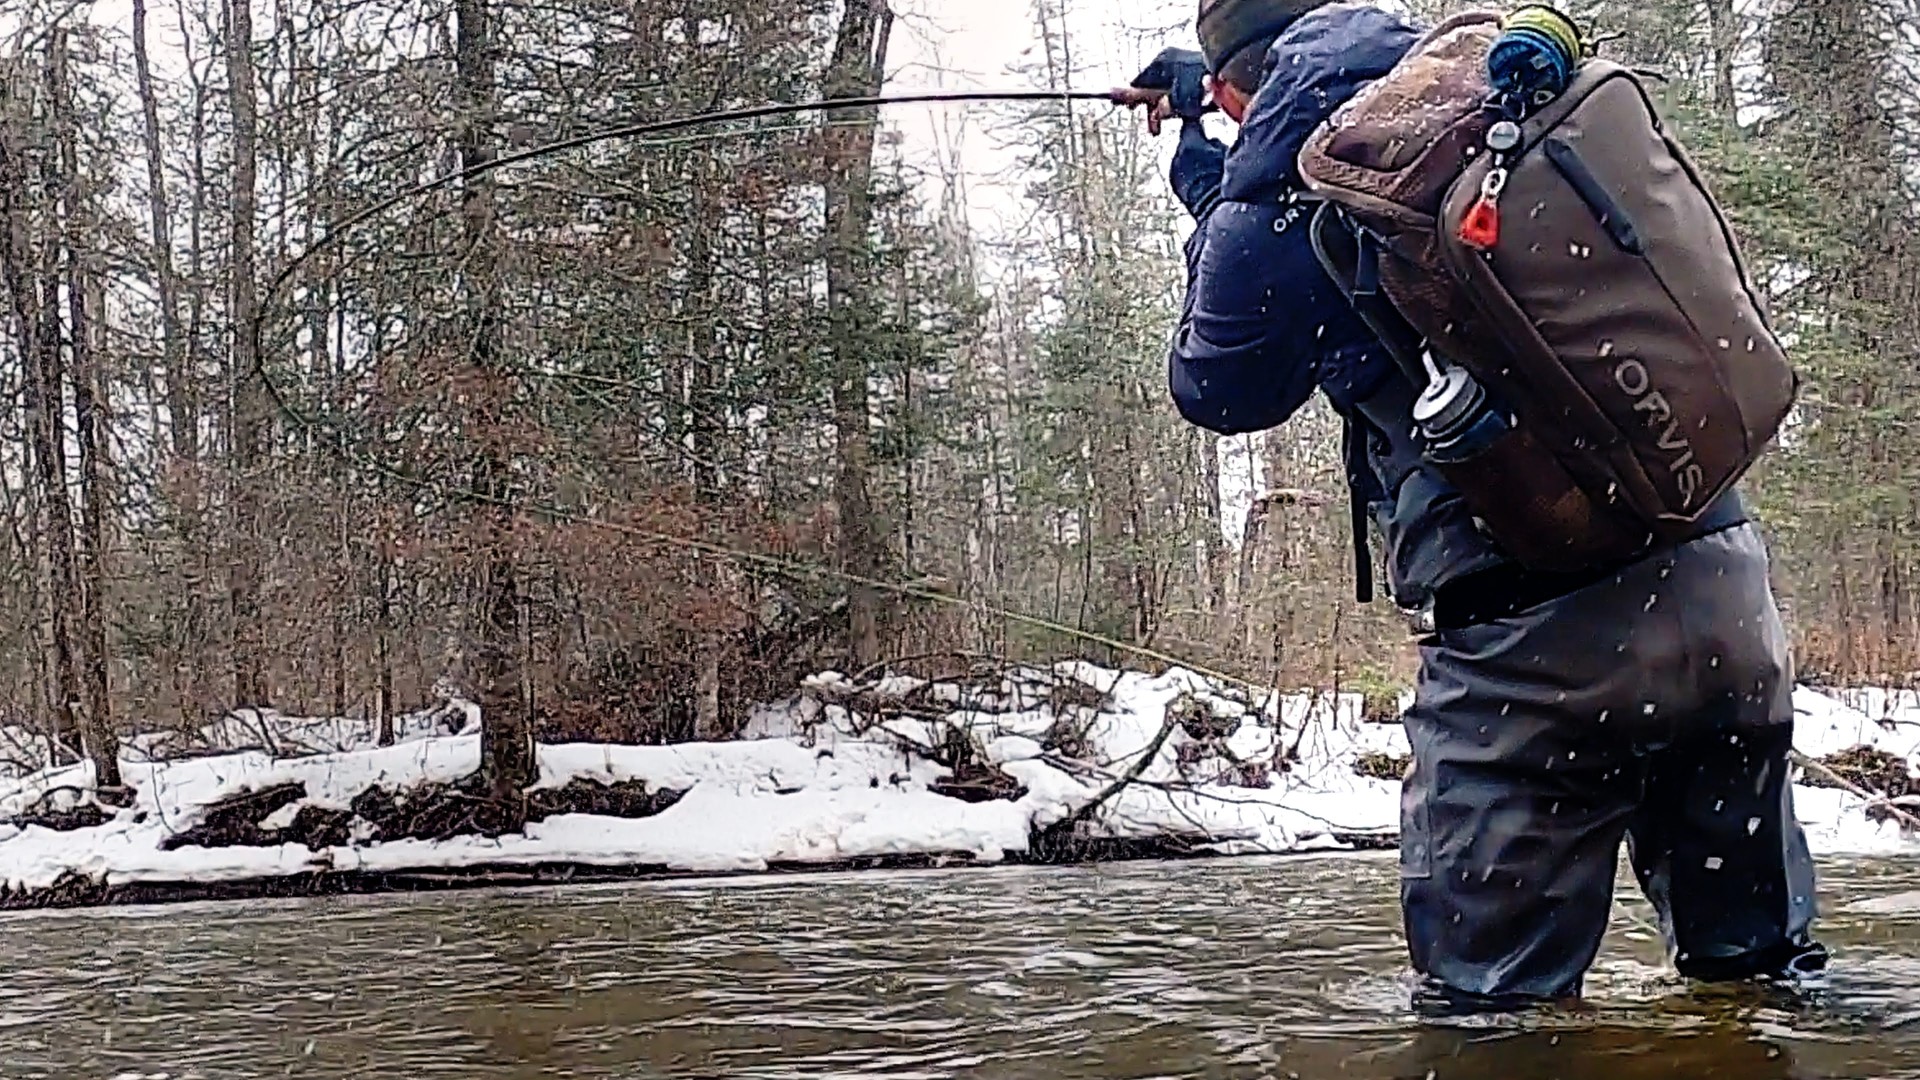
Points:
(622, 440)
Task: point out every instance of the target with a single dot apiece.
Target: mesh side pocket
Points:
(1533, 508)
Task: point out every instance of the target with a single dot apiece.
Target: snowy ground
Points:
(843, 772)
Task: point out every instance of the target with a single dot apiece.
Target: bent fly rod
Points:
(1124, 96)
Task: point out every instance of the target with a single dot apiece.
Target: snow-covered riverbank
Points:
(1070, 761)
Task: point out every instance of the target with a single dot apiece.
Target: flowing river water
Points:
(1243, 968)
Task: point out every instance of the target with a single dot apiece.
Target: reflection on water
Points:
(1227, 969)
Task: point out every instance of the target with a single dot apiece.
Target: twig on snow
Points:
(1893, 809)
(1139, 767)
(879, 666)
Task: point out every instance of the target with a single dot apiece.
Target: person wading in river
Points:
(1551, 719)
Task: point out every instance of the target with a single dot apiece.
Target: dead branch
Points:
(1132, 774)
(1893, 809)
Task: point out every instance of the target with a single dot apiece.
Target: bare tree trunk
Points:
(858, 68)
(337, 660)
(1246, 596)
(1723, 23)
(34, 287)
(71, 224)
(196, 662)
(89, 394)
(1213, 545)
(1845, 657)
(383, 651)
(181, 405)
(182, 386)
(249, 395)
(507, 760)
(704, 435)
(22, 517)
(1143, 618)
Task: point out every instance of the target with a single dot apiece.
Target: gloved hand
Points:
(1174, 84)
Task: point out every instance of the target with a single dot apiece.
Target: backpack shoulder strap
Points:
(1351, 257)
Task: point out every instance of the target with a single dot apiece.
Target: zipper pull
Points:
(1480, 227)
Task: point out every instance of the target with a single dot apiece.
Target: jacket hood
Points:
(1311, 68)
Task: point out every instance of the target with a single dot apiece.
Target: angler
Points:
(1602, 656)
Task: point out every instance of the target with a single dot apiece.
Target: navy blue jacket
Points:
(1263, 325)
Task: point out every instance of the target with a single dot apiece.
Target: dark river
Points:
(1250, 968)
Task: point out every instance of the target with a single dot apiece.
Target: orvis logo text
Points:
(1631, 376)
(1289, 214)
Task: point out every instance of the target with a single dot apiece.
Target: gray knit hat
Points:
(1228, 27)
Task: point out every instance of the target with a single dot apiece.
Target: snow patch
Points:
(844, 771)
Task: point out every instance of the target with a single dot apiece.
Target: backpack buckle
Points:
(1421, 620)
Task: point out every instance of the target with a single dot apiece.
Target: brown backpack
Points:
(1606, 303)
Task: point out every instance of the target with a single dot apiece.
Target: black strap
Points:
(1351, 257)
(1353, 449)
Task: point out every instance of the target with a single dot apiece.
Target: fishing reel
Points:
(1534, 58)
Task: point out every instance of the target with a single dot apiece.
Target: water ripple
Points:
(1231, 969)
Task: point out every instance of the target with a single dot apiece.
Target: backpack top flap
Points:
(1638, 341)
(1393, 149)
